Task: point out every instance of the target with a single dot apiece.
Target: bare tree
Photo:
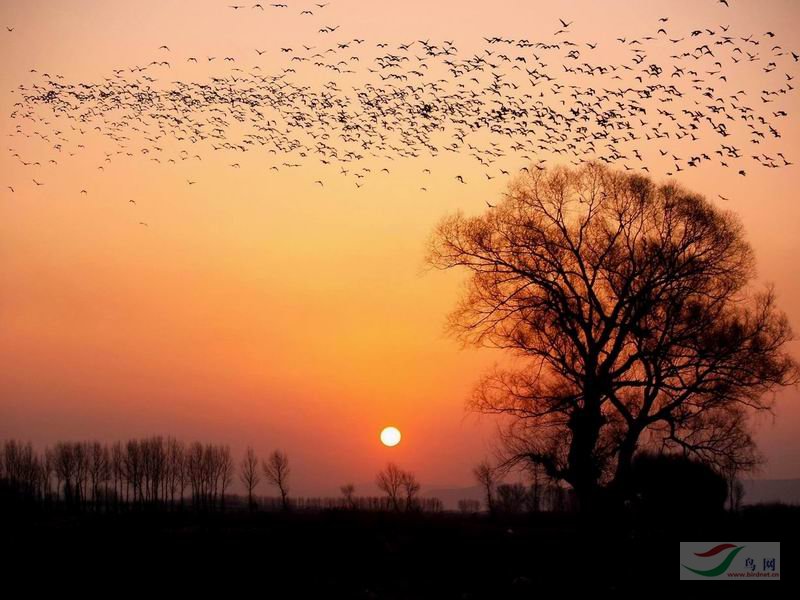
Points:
(538, 482)
(512, 498)
(348, 491)
(99, 470)
(630, 302)
(276, 471)
(486, 476)
(176, 470)
(47, 462)
(195, 465)
(133, 470)
(64, 468)
(411, 488)
(469, 506)
(80, 453)
(390, 482)
(226, 471)
(152, 473)
(248, 474)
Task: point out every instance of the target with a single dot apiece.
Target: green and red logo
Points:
(727, 552)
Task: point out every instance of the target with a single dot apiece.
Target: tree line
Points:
(165, 473)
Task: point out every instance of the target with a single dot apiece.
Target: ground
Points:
(375, 555)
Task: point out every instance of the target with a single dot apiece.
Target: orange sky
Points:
(258, 308)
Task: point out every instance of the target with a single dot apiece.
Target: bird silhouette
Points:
(513, 100)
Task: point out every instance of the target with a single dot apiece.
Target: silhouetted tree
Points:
(486, 475)
(676, 484)
(64, 468)
(538, 479)
(276, 472)
(248, 474)
(99, 470)
(225, 471)
(348, 491)
(153, 473)
(630, 302)
(390, 482)
(512, 498)
(47, 463)
(411, 488)
(176, 470)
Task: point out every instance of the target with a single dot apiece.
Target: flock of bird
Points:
(705, 96)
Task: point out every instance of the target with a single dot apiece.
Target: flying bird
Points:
(424, 98)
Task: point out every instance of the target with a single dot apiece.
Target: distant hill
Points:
(756, 491)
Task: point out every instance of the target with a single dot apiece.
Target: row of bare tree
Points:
(153, 471)
(542, 494)
(167, 473)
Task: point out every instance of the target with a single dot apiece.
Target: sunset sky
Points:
(259, 308)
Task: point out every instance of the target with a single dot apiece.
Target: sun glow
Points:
(390, 436)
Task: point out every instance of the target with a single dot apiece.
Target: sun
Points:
(390, 436)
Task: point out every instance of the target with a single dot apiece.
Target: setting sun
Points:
(390, 436)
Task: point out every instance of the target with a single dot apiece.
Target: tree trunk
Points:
(621, 485)
(585, 425)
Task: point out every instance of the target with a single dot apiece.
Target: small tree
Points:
(248, 474)
(390, 482)
(348, 491)
(411, 488)
(512, 498)
(226, 470)
(486, 475)
(276, 472)
(469, 506)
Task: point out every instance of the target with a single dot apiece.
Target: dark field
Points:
(350, 554)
